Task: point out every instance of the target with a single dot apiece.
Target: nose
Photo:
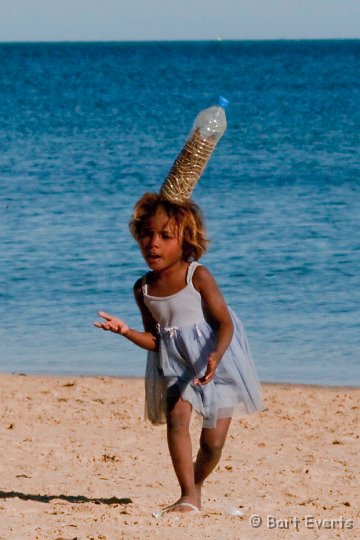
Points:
(154, 240)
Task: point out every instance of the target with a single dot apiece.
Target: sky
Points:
(138, 20)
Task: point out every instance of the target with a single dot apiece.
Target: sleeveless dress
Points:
(185, 341)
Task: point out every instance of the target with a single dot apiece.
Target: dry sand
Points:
(75, 451)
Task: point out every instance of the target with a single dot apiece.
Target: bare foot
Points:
(184, 504)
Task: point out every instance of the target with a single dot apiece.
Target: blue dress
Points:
(186, 340)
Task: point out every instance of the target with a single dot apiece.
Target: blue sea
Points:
(86, 128)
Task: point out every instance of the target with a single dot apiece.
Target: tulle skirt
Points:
(182, 356)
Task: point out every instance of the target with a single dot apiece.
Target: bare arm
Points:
(216, 307)
(147, 339)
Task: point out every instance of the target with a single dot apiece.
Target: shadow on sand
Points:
(67, 498)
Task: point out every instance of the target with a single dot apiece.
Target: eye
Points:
(166, 235)
(145, 233)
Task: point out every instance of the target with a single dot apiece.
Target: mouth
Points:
(151, 257)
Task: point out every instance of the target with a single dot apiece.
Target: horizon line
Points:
(219, 40)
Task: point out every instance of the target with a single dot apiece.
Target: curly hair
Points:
(188, 217)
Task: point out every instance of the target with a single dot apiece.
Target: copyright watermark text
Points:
(307, 522)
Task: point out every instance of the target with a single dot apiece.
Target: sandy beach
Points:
(79, 462)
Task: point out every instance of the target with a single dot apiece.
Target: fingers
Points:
(209, 374)
(107, 324)
(112, 324)
(203, 380)
(102, 325)
(105, 315)
(97, 324)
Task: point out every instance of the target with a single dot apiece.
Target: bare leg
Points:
(211, 445)
(179, 442)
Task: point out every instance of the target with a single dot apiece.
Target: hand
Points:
(112, 323)
(213, 362)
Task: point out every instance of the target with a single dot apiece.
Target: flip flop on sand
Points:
(159, 513)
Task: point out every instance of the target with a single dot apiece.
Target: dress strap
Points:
(191, 271)
(144, 284)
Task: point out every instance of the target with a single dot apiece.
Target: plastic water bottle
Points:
(212, 121)
(208, 128)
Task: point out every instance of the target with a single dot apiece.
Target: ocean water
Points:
(86, 128)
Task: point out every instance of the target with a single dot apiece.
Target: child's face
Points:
(160, 242)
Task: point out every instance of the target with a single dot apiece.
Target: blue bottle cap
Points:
(222, 102)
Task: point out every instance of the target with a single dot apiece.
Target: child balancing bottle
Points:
(208, 128)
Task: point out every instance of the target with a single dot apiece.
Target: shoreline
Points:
(142, 377)
(78, 460)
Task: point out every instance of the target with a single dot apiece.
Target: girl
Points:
(198, 352)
